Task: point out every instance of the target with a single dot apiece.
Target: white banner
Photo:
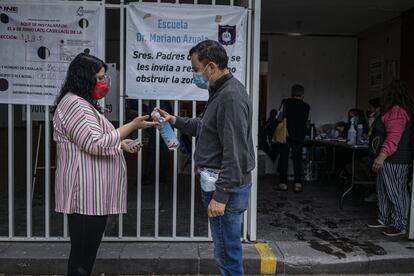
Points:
(159, 37)
(38, 41)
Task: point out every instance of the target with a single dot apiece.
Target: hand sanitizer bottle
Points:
(166, 131)
(352, 135)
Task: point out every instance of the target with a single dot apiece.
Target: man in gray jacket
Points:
(224, 153)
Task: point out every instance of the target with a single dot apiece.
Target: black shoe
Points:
(394, 232)
(376, 224)
(297, 187)
(283, 187)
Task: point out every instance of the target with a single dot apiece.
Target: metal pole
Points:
(245, 226)
(248, 74)
(28, 172)
(174, 229)
(47, 172)
(193, 145)
(103, 55)
(121, 64)
(65, 225)
(247, 77)
(39, 136)
(157, 180)
(139, 177)
(11, 168)
(121, 87)
(255, 71)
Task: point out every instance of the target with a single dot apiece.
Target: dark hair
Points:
(396, 93)
(297, 90)
(375, 102)
(81, 78)
(272, 113)
(211, 51)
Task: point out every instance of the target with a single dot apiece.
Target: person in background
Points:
(373, 112)
(90, 181)
(296, 113)
(342, 128)
(392, 145)
(269, 129)
(364, 161)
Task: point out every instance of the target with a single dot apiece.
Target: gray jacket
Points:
(224, 136)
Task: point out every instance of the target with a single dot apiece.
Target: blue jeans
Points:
(226, 231)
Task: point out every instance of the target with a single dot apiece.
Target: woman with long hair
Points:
(392, 145)
(90, 181)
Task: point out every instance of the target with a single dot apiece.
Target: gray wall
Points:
(380, 42)
(325, 66)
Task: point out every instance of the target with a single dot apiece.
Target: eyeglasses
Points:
(102, 77)
(105, 78)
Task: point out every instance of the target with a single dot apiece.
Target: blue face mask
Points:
(199, 81)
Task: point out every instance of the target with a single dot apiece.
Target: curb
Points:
(281, 258)
(27, 258)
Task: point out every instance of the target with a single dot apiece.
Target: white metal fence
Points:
(16, 166)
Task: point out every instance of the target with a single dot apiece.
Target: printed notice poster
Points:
(376, 73)
(38, 41)
(159, 37)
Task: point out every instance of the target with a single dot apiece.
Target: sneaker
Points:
(298, 187)
(283, 187)
(371, 198)
(376, 224)
(394, 232)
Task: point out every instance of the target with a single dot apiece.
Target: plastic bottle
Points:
(166, 131)
(351, 135)
(308, 127)
(312, 131)
(360, 129)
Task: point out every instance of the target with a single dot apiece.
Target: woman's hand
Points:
(167, 116)
(379, 162)
(134, 149)
(140, 123)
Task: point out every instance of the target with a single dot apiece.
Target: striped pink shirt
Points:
(90, 166)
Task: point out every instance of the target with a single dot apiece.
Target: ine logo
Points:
(81, 11)
(9, 9)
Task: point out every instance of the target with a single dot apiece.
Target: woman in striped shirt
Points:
(90, 181)
(392, 145)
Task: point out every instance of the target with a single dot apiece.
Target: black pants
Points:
(297, 160)
(85, 236)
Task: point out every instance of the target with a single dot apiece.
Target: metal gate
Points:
(20, 229)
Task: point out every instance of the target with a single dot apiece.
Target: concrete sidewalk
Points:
(307, 232)
(197, 258)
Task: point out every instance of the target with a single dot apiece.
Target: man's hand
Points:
(168, 117)
(379, 162)
(215, 209)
